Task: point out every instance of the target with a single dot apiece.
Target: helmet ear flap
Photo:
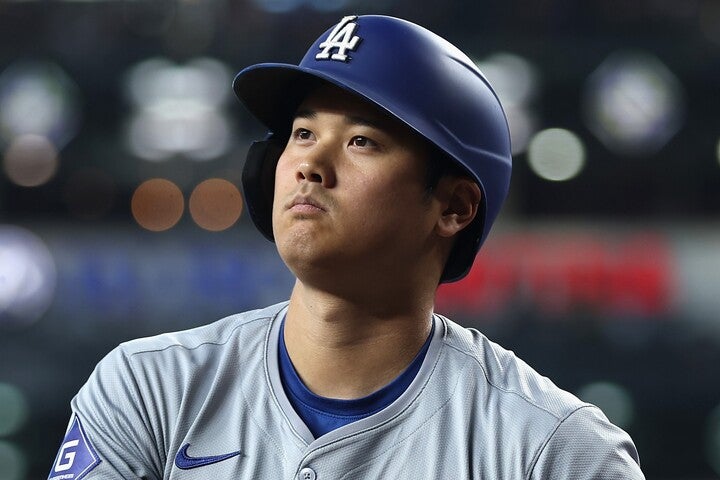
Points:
(258, 180)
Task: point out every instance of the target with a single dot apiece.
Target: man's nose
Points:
(317, 166)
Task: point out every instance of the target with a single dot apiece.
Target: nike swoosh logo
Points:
(186, 462)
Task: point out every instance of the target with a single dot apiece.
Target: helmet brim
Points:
(272, 92)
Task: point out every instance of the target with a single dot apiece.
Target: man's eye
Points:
(361, 141)
(303, 134)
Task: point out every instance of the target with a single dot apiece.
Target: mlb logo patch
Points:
(77, 457)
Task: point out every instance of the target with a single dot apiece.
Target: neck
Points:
(349, 348)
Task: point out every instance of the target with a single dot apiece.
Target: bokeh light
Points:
(159, 80)
(613, 399)
(513, 77)
(179, 109)
(30, 160)
(38, 98)
(191, 130)
(13, 462)
(633, 103)
(516, 82)
(523, 124)
(13, 409)
(157, 204)
(215, 204)
(556, 154)
(27, 276)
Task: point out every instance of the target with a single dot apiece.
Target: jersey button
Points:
(307, 473)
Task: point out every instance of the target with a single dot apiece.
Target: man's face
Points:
(349, 191)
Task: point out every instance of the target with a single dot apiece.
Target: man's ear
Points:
(461, 201)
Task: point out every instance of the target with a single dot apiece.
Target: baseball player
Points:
(387, 161)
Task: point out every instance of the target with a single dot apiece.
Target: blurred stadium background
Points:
(121, 149)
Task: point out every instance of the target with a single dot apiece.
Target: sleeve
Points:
(586, 446)
(109, 435)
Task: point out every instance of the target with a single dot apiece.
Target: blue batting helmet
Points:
(411, 73)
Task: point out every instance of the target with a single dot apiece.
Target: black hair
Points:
(440, 165)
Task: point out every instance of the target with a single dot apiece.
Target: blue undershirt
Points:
(323, 415)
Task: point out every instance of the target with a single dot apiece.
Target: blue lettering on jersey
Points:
(76, 456)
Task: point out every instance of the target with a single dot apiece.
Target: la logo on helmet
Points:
(341, 37)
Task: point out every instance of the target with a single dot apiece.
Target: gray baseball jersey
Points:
(209, 403)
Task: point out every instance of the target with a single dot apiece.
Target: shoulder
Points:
(176, 362)
(586, 445)
(144, 389)
(507, 376)
(557, 435)
(218, 333)
(145, 392)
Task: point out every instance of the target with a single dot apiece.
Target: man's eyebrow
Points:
(305, 113)
(364, 121)
(308, 114)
